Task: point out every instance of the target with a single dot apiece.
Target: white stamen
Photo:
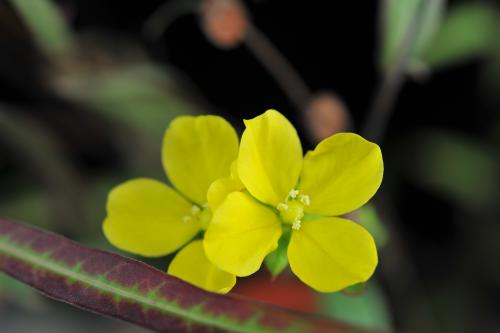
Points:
(293, 194)
(281, 207)
(195, 210)
(296, 224)
(304, 199)
(186, 219)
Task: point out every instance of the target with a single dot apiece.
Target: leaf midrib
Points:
(25, 256)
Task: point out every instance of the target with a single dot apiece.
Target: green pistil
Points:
(292, 210)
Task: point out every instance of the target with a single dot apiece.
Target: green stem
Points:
(392, 82)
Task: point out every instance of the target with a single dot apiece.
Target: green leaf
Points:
(369, 218)
(15, 292)
(369, 310)
(455, 166)
(398, 18)
(469, 30)
(35, 148)
(31, 205)
(140, 98)
(277, 260)
(138, 95)
(431, 19)
(123, 288)
(46, 24)
(355, 290)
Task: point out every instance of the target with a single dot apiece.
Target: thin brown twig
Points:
(279, 67)
(165, 15)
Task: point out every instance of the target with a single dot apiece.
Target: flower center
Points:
(203, 215)
(292, 210)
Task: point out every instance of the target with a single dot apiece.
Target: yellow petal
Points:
(241, 234)
(145, 217)
(196, 152)
(270, 157)
(219, 190)
(341, 174)
(235, 175)
(192, 265)
(332, 253)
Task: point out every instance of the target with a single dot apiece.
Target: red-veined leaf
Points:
(119, 287)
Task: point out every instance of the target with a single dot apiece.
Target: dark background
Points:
(439, 271)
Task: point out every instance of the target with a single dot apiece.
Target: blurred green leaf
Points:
(369, 310)
(431, 20)
(355, 290)
(369, 218)
(30, 206)
(17, 292)
(277, 260)
(398, 18)
(469, 30)
(46, 24)
(141, 96)
(37, 151)
(455, 166)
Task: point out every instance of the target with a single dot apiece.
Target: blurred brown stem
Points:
(165, 15)
(279, 67)
(383, 105)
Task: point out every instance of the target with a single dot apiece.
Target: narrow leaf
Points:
(46, 24)
(141, 96)
(397, 21)
(112, 285)
(470, 30)
(443, 162)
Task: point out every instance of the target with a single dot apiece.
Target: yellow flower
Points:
(287, 191)
(149, 218)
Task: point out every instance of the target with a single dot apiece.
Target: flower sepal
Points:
(277, 260)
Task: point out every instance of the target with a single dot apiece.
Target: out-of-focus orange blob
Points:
(225, 22)
(326, 115)
(285, 291)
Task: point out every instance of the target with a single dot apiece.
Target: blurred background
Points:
(88, 87)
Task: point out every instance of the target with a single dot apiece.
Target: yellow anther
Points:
(304, 199)
(296, 224)
(282, 207)
(195, 210)
(293, 194)
(200, 215)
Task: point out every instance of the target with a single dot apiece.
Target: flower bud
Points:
(326, 115)
(225, 22)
